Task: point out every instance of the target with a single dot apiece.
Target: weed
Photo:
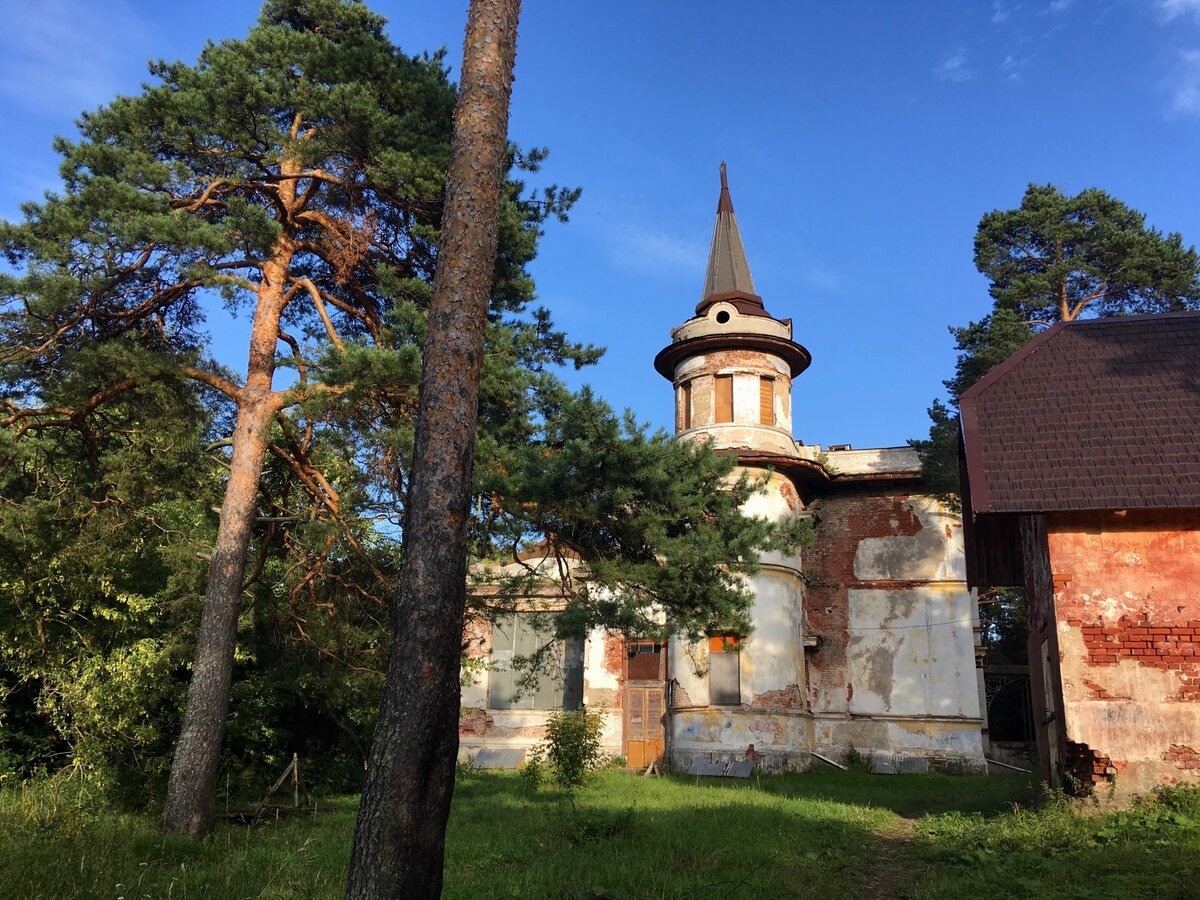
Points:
(857, 761)
(533, 773)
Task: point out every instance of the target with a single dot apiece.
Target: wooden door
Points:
(644, 741)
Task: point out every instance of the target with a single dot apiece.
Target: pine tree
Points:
(298, 172)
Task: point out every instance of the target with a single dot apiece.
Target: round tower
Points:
(732, 364)
(733, 696)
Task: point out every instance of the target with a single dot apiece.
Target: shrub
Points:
(572, 746)
(533, 773)
(857, 761)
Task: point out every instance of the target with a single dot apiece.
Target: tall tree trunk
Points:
(191, 790)
(399, 838)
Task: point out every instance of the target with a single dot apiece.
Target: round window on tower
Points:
(722, 317)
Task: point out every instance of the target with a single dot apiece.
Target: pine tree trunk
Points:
(399, 839)
(191, 790)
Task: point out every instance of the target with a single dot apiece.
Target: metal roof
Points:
(728, 272)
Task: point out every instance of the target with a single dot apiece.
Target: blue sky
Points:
(864, 141)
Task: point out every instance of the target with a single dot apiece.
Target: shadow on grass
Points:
(721, 844)
(909, 796)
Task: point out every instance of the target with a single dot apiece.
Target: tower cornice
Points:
(797, 358)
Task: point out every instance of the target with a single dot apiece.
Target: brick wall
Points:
(1127, 622)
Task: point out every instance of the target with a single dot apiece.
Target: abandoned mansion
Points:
(866, 639)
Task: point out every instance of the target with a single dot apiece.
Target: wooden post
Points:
(295, 781)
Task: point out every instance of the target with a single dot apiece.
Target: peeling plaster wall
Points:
(905, 655)
(1127, 617)
(773, 714)
(894, 670)
(782, 739)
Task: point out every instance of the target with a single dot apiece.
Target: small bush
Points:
(572, 746)
(464, 769)
(533, 773)
(857, 761)
(618, 762)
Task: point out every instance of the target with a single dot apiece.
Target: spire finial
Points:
(725, 202)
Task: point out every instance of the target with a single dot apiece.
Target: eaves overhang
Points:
(796, 356)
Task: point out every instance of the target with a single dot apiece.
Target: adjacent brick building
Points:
(1082, 486)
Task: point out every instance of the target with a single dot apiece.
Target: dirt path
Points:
(887, 868)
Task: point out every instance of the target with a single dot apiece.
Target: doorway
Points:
(645, 673)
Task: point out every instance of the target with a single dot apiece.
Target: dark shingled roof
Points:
(1089, 415)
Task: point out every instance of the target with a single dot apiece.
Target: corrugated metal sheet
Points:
(499, 758)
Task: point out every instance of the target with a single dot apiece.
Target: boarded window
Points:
(554, 681)
(724, 672)
(723, 398)
(645, 661)
(766, 401)
(685, 406)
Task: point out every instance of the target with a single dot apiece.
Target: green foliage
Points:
(572, 746)
(1055, 849)
(1002, 621)
(1055, 257)
(857, 761)
(939, 453)
(533, 773)
(656, 521)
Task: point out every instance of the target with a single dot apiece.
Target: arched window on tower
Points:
(685, 406)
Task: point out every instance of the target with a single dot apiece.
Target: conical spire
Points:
(728, 272)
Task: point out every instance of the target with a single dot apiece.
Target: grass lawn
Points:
(820, 834)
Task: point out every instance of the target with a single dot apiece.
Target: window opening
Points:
(517, 638)
(645, 661)
(724, 671)
(766, 401)
(724, 398)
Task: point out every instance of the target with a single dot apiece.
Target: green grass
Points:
(821, 834)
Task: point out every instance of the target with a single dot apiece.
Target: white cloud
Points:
(954, 67)
(70, 53)
(1173, 9)
(1057, 6)
(1000, 12)
(1012, 65)
(656, 251)
(1184, 84)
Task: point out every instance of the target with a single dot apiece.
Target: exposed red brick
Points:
(789, 697)
(475, 723)
(1085, 769)
(1183, 756)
